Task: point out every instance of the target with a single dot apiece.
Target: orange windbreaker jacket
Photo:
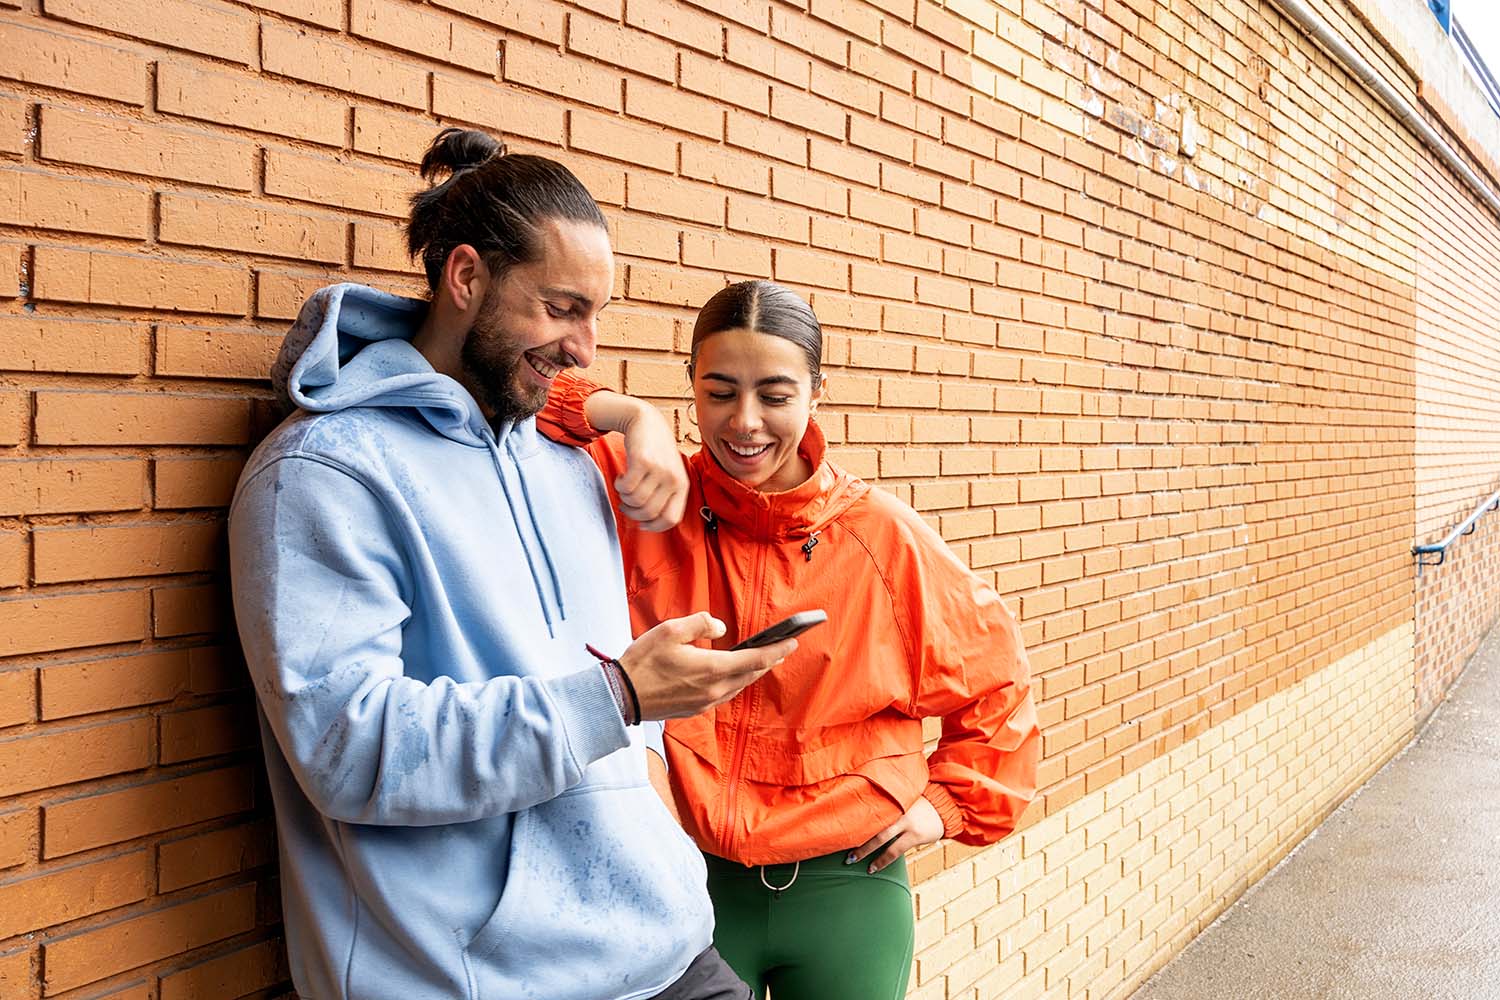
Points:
(825, 750)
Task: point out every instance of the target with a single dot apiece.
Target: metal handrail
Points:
(1467, 527)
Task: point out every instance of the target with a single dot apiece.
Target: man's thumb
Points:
(705, 626)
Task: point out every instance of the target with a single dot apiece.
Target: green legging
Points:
(836, 933)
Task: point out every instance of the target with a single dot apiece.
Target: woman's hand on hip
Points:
(920, 825)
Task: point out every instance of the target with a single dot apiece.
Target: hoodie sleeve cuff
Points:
(591, 719)
(947, 809)
(563, 419)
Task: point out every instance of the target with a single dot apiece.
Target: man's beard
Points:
(492, 366)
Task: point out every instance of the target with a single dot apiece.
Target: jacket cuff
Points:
(947, 809)
(571, 391)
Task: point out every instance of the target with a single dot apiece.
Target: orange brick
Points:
(624, 47)
(93, 955)
(324, 13)
(723, 83)
(808, 112)
(676, 198)
(766, 138)
(856, 18)
(381, 247)
(437, 36)
(845, 237)
(322, 181)
(747, 12)
(186, 610)
(251, 228)
(842, 161)
(667, 106)
(539, 66)
(539, 21)
(61, 757)
(97, 553)
(34, 902)
(726, 253)
(207, 732)
(196, 482)
(101, 278)
(51, 59)
(69, 689)
(67, 621)
(256, 104)
(519, 114)
(622, 140)
(280, 294)
(140, 418)
(725, 168)
(13, 124)
(215, 353)
(18, 841)
(60, 345)
(93, 140)
(14, 561)
(642, 331)
(212, 855)
(70, 485)
(314, 58)
(17, 687)
(213, 29)
(801, 267)
(254, 968)
(124, 814)
(802, 188)
(391, 135)
(72, 204)
(11, 255)
(676, 24)
(671, 286)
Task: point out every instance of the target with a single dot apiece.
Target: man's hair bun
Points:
(458, 149)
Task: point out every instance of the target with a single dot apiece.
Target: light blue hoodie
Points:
(461, 810)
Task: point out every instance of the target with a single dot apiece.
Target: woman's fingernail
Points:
(850, 859)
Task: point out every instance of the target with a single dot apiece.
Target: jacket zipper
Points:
(742, 726)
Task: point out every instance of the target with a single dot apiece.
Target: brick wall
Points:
(1189, 412)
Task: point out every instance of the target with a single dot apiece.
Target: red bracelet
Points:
(616, 677)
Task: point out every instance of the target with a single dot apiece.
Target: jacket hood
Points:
(799, 512)
(351, 346)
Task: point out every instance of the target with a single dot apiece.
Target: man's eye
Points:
(556, 312)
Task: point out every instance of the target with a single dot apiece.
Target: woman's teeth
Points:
(747, 451)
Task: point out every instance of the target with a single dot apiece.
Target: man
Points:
(461, 791)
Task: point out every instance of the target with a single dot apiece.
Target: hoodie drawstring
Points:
(807, 546)
(525, 548)
(709, 519)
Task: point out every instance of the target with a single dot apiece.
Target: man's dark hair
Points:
(763, 307)
(493, 201)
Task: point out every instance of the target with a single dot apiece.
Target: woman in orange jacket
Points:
(806, 790)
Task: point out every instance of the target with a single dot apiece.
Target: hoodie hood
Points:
(351, 346)
(799, 512)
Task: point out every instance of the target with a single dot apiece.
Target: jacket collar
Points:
(795, 513)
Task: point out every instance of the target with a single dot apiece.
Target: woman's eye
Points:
(776, 400)
(721, 397)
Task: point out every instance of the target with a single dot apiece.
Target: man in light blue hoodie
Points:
(462, 791)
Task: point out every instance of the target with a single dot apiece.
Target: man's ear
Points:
(465, 280)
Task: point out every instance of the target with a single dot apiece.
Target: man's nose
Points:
(582, 345)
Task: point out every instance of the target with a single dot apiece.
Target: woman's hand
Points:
(654, 488)
(920, 825)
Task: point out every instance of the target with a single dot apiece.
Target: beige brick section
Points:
(1102, 893)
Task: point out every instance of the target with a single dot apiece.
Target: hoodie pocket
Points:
(604, 897)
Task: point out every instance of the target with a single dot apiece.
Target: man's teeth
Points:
(747, 451)
(541, 367)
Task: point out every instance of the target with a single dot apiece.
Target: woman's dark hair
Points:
(762, 307)
(492, 201)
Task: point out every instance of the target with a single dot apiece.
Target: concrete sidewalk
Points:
(1396, 895)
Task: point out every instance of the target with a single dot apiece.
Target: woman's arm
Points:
(651, 484)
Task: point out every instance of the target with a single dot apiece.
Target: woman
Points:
(806, 790)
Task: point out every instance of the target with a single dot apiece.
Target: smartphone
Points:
(785, 629)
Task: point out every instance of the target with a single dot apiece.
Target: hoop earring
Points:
(692, 416)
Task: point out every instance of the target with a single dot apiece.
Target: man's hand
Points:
(920, 825)
(653, 489)
(675, 679)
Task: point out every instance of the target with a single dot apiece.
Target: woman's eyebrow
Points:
(768, 380)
